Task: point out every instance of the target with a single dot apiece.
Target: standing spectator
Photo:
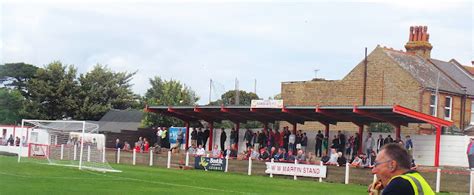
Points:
(470, 154)
(165, 138)
(291, 142)
(23, 141)
(137, 147)
(258, 141)
(335, 142)
(369, 146)
(388, 140)
(356, 144)
(194, 137)
(325, 146)
(342, 142)
(179, 138)
(254, 141)
(118, 144)
(10, 140)
(200, 137)
(380, 143)
(140, 143)
(319, 142)
(349, 146)
(286, 137)
(304, 142)
(233, 137)
(146, 145)
(409, 145)
(248, 138)
(206, 136)
(277, 138)
(126, 146)
(17, 141)
(158, 136)
(223, 138)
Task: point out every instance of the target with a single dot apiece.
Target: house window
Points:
(472, 113)
(448, 107)
(433, 104)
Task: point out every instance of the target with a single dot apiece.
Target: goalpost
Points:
(66, 143)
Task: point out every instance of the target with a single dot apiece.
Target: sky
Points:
(262, 42)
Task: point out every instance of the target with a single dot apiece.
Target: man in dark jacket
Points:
(223, 138)
(206, 136)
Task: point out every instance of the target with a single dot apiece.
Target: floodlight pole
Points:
(21, 147)
(82, 144)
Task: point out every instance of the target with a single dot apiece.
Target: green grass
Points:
(35, 178)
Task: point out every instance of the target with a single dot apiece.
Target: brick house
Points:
(386, 77)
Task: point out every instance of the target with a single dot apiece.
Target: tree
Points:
(102, 89)
(381, 127)
(17, 75)
(228, 98)
(11, 102)
(53, 91)
(166, 93)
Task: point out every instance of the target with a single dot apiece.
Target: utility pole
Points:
(255, 87)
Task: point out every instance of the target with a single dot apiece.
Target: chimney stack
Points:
(418, 41)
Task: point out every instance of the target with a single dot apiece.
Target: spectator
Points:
(140, 144)
(200, 137)
(158, 136)
(192, 150)
(200, 151)
(17, 141)
(280, 155)
(248, 138)
(333, 157)
(470, 153)
(223, 138)
(300, 155)
(23, 141)
(325, 145)
(388, 140)
(342, 142)
(137, 147)
(290, 156)
(349, 147)
(335, 142)
(264, 155)
(311, 158)
(254, 154)
(233, 136)
(118, 144)
(165, 138)
(206, 135)
(194, 137)
(286, 137)
(357, 162)
(304, 142)
(216, 153)
(319, 143)
(369, 145)
(291, 142)
(380, 142)
(146, 145)
(126, 146)
(357, 143)
(179, 138)
(409, 145)
(341, 160)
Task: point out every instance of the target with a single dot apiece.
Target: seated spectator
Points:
(357, 162)
(341, 160)
(332, 158)
(290, 156)
(254, 154)
(227, 152)
(280, 155)
(200, 151)
(216, 153)
(264, 155)
(300, 156)
(311, 158)
(273, 151)
(191, 150)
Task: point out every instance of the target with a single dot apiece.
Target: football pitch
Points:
(37, 178)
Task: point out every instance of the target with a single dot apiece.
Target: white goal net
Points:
(67, 143)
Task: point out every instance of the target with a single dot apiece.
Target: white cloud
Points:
(194, 42)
